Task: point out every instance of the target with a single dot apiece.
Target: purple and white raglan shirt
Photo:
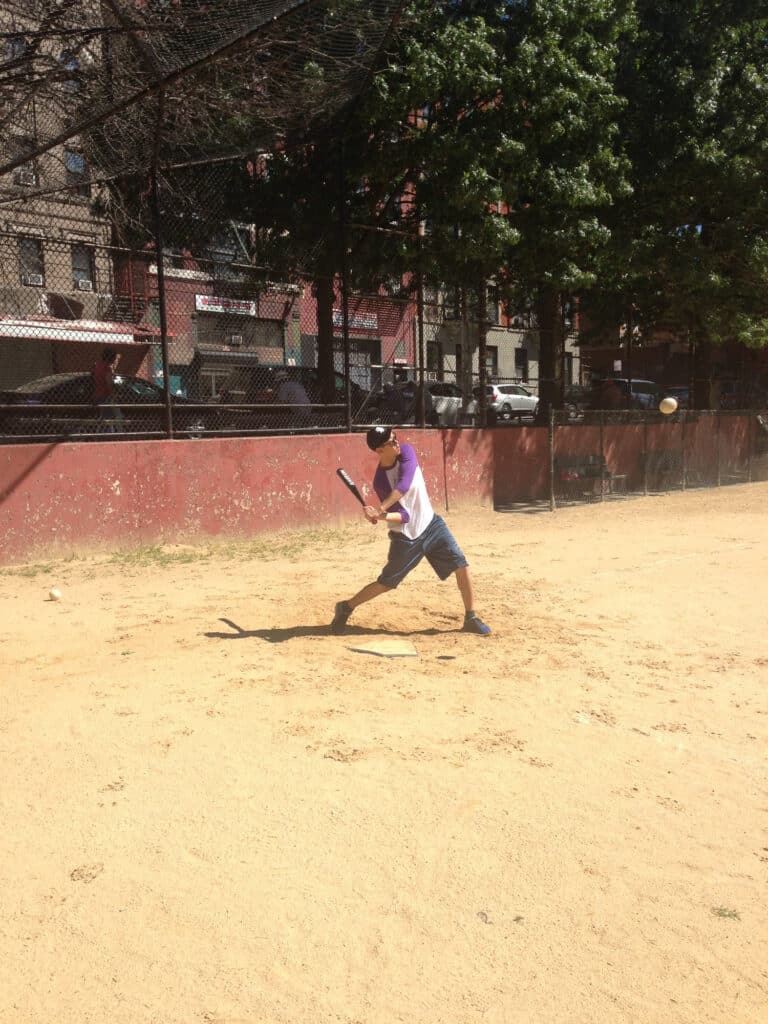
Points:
(415, 506)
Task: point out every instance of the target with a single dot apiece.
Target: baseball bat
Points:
(347, 480)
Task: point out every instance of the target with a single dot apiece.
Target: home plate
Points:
(387, 647)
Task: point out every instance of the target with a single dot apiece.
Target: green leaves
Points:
(687, 239)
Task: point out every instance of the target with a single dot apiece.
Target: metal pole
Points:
(602, 455)
(421, 403)
(155, 202)
(482, 351)
(445, 473)
(751, 416)
(717, 445)
(645, 453)
(683, 457)
(551, 431)
(630, 330)
(344, 290)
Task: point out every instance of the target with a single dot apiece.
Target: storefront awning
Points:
(226, 357)
(100, 332)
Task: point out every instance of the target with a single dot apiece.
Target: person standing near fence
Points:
(292, 392)
(609, 395)
(104, 390)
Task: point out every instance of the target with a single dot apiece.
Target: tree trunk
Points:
(551, 343)
(465, 341)
(482, 351)
(701, 398)
(325, 364)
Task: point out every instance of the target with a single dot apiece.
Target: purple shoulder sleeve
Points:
(381, 484)
(408, 466)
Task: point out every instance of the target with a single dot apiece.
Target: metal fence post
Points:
(683, 459)
(602, 455)
(161, 301)
(645, 453)
(718, 424)
(551, 432)
(344, 243)
(751, 415)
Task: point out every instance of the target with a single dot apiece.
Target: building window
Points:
(491, 362)
(77, 172)
(31, 266)
(223, 254)
(71, 71)
(393, 210)
(521, 364)
(15, 47)
(83, 267)
(568, 367)
(212, 381)
(493, 300)
(26, 174)
(453, 304)
(435, 358)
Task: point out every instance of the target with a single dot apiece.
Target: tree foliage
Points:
(688, 243)
(614, 150)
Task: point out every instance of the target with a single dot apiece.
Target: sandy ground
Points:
(213, 811)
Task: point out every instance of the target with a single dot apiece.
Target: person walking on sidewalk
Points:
(415, 531)
(104, 391)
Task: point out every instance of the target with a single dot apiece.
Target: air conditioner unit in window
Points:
(25, 177)
(235, 339)
(84, 286)
(34, 280)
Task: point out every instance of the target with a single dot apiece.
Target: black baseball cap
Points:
(377, 436)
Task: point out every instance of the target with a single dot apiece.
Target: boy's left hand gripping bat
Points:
(347, 480)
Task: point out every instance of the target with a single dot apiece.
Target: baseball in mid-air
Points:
(668, 405)
(54, 594)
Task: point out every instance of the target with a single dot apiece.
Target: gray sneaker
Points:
(341, 613)
(472, 624)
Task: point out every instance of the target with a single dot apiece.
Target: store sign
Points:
(362, 321)
(215, 304)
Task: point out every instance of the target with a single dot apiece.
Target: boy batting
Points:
(415, 531)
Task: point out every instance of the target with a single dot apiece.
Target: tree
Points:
(689, 242)
(516, 162)
(416, 149)
(561, 107)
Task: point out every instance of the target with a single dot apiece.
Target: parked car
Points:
(66, 389)
(257, 385)
(506, 402)
(679, 393)
(577, 398)
(638, 394)
(734, 394)
(396, 403)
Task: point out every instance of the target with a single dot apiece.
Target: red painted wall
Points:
(63, 497)
(67, 496)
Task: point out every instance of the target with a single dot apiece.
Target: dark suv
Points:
(257, 386)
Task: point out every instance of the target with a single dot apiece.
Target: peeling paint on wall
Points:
(63, 496)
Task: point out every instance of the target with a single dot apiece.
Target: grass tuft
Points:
(731, 915)
(28, 571)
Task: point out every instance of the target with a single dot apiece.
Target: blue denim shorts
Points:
(437, 544)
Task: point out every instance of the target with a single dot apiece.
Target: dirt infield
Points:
(216, 812)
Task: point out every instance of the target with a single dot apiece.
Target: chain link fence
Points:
(240, 349)
(607, 455)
